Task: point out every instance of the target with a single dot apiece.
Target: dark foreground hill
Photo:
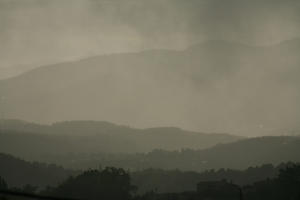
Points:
(19, 173)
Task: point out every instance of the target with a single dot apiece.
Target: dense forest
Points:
(114, 183)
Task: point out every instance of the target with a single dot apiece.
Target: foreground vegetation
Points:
(114, 183)
(19, 174)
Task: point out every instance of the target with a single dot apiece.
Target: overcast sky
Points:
(39, 32)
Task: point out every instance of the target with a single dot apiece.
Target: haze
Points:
(231, 66)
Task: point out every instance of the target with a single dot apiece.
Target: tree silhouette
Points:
(110, 183)
(3, 184)
(289, 180)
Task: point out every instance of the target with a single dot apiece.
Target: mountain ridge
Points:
(287, 43)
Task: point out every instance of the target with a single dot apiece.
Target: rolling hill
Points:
(23, 139)
(239, 155)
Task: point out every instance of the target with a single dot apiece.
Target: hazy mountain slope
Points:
(216, 86)
(252, 152)
(23, 139)
(236, 155)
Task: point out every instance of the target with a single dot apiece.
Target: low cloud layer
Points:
(39, 32)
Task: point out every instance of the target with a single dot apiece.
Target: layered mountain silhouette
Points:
(83, 145)
(216, 86)
(236, 155)
(31, 140)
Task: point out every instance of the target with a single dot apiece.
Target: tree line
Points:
(116, 183)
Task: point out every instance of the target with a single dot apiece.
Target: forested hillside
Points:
(236, 155)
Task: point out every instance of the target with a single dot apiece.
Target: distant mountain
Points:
(34, 140)
(216, 86)
(236, 155)
(253, 152)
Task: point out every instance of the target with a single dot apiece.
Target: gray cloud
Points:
(38, 32)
